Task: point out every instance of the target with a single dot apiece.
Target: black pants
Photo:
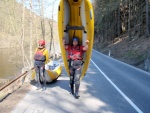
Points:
(40, 70)
(75, 72)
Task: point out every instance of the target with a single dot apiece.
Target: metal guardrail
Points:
(13, 85)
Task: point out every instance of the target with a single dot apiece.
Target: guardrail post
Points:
(109, 53)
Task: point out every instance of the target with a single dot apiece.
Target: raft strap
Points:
(75, 28)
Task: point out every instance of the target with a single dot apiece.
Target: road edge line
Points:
(129, 101)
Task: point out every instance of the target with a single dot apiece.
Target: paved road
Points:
(132, 83)
(108, 87)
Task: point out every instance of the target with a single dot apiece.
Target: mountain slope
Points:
(133, 52)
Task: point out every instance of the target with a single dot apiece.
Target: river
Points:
(9, 63)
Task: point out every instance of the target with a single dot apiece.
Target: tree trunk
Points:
(42, 21)
(147, 17)
(118, 27)
(22, 38)
(35, 23)
(129, 19)
(51, 29)
(51, 39)
(42, 18)
(31, 40)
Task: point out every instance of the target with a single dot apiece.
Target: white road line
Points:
(130, 102)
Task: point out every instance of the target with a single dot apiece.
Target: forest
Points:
(123, 27)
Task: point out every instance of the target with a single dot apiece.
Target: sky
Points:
(48, 7)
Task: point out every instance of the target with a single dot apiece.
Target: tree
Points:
(31, 38)
(22, 36)
(147, 17)
(114, 17)
(41, 5)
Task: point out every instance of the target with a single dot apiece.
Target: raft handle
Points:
(59, 8)
(79, 10)
(75, 28)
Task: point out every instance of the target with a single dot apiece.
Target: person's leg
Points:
(37, 70)
(72, 80)
(77, 82)
(42, 70)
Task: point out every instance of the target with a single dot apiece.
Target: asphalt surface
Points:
(109, 86)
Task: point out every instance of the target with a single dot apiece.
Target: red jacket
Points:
(75, 52)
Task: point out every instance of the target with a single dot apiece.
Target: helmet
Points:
(75, 39)
(42, 42)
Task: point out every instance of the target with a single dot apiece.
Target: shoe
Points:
(38, 88)
(77, 91)
(72, 91)
(44, 88)
(77, 95)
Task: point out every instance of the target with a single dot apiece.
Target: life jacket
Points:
(75, 53)
(39, 55)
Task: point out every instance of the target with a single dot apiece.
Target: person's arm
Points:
(47, 56)
(86, 45)
(64, 44)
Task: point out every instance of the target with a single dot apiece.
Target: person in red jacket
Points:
(41, 57)
(75, 57)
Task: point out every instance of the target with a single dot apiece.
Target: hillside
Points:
(12, 25)
(122, 28)
(20, 31)
(133, 52)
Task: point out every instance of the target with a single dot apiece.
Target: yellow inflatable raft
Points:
(52, 71)
(76, 18)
